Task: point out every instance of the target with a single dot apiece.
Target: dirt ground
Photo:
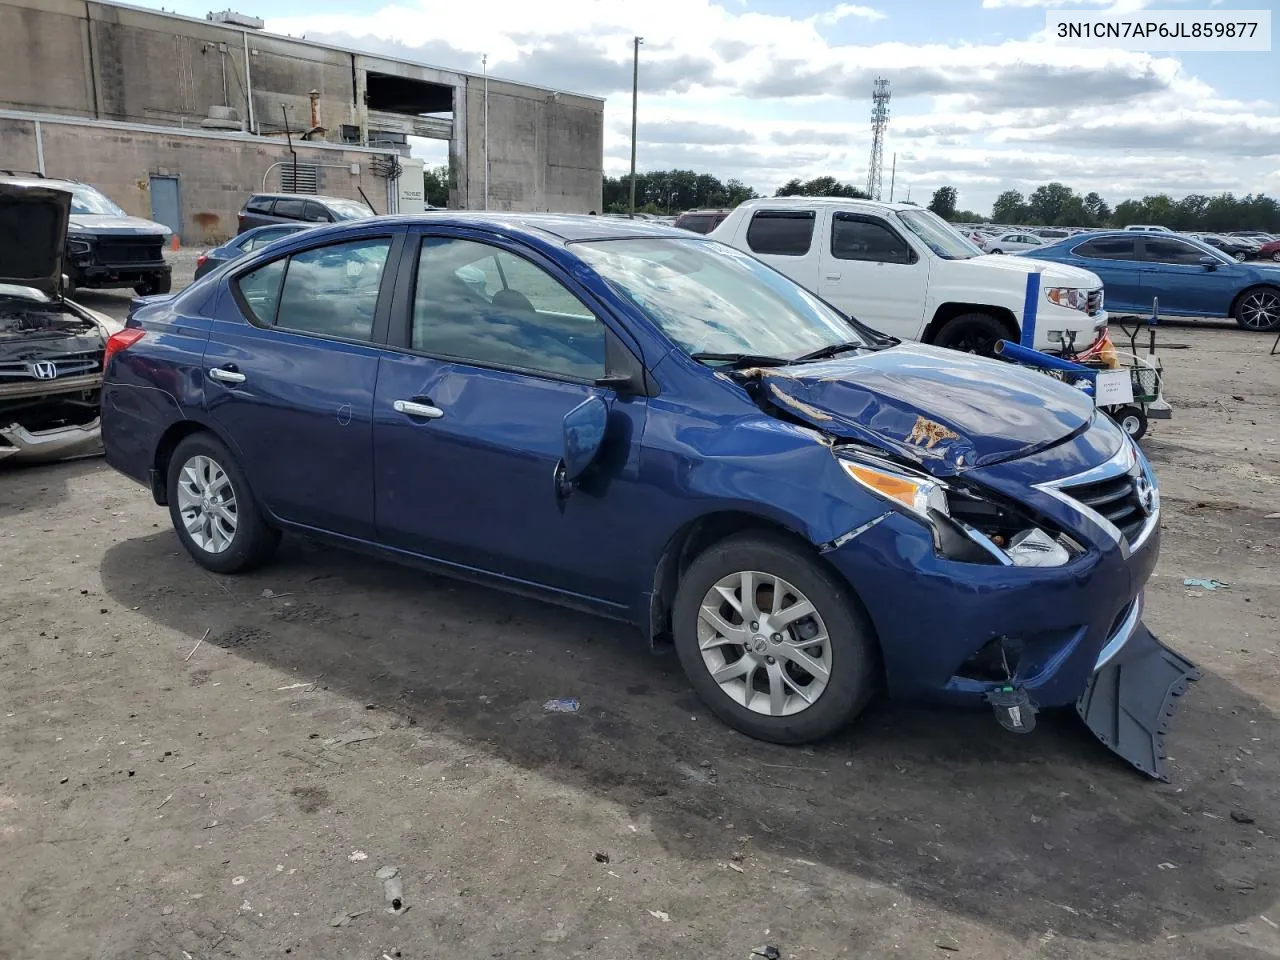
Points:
(204, 767)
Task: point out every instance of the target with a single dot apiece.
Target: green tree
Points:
(944, 202)
(1048, 204)
(435, 185)
(1010, 207)
(820, 187)
(1096, 207)
(969, 216)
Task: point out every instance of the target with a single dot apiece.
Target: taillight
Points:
(200, 260)
(120, 341)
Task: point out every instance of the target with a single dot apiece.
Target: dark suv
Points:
(701, 221)
(264, 208)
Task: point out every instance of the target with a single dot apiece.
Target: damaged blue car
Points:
(658, 428)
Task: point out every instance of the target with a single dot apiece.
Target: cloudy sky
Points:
(765, 90)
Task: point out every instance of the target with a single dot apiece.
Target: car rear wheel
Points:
(972, 333)
(213, 510)
(775, 644)
(1259, 309)
(997, 250)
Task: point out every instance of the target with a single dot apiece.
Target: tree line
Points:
(1051, 205)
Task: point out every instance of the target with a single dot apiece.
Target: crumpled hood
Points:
(33, 229)
(98, 224)
(946, 410)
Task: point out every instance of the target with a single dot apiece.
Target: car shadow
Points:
(39, 486)
(1019, 833)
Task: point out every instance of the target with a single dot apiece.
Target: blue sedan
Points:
(1188, 277)
(247, 242)
(640, 422)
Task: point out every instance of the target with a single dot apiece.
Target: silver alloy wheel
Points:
(764, 643)
(1276, 256)
(1260, 310)
(207, 504)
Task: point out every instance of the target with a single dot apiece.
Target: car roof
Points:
(303, 196)
(565, 227)
(827, 202)
(38, 181)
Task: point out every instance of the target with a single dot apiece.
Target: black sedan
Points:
(247, 242)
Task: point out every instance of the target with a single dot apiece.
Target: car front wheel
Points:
(772, 641)
(213, 510)
(1259, 309)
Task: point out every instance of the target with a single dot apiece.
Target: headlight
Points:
(78, 246)
(915, 492)
(1073, 298)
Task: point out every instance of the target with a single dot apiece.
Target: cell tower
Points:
(879, 120)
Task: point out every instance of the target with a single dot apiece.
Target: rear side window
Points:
(258, 205)
(781, 233)
(333, 291)
(260, 290)
(290, 208)
(698, 224)
(1108, 248)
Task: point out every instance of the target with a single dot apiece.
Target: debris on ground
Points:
(601, 857)
(342, 919)
(237, 881)
(950, 944)
(1208, 584)
(355, 856)
(660, 915)
(392, 888)
(356, 736)
(196, 647)
(565, 705)
(1239, 816)
(768, 951)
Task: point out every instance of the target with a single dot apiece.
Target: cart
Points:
(1128, 386)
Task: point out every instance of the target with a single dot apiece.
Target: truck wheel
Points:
(1132, 420)
(153, 285)
(1259, 309)
(776, 645)
(972, 333)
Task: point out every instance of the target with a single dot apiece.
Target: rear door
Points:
(1118, 261)
(256, 213)
(1173, 273)
(496, 346)
(289, 208)
(784, 239)
(290, 367)
(870, 272)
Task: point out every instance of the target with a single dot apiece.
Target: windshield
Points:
(87, 201)
(938, 235)
(348, 209)
(711, 298)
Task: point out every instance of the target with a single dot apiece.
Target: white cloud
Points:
(771, 98)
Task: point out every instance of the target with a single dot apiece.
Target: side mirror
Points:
(1208, 262)
(584, 427)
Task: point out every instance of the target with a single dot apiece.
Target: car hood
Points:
(945, 410)
(98, 224)
(33, 231)
(1050, 271)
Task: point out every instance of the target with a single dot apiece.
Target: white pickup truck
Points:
(906, 272)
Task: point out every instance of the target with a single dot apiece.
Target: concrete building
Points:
(131, 100)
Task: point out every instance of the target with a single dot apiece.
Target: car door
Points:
(1117, 259)
(1173, 273)
(783, 239)
(290, 366)
(495, 346)
(870, 272)
(314, 212)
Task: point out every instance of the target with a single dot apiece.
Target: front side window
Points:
(712, 298)
(479, 303)
(314, 213)
(347, 209)
(290, 208)
(328, 291)
(781, 233)
(1160, 250)
(863, 238)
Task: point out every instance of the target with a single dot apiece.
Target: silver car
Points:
(1013, 242)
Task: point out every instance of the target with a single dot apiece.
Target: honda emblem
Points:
(43, 369)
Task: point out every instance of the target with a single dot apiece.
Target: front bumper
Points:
(1056, 327)
(60, 443)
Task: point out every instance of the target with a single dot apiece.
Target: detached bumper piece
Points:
(60, 443)
(1131, 700)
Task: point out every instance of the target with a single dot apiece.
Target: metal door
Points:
(165, 206)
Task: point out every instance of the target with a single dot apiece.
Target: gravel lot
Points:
(162, 797)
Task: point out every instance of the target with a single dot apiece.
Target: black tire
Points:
(253, 541)
(996, 251)
(160, 283)
(1258, 309)
(972, 333)
(1132, 420)
(854, 654)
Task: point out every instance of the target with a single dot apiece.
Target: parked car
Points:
(266, 208)
(1270, 251)
(906, 272)
(1191, 279)
(51, 349)
(243, 243)
(105, 247)
(636, 421)
(1234, 247)
(1011, 243)
(1147, 228)
(1050, 233)
(701, 221)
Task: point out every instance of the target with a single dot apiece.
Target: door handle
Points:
(831, 276)
(412, 408)
(225, 375)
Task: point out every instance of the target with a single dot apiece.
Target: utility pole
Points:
(635, 88)
(893, 176)
(484, 63)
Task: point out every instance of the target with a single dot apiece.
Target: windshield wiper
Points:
(830, 350)
(741, 359)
